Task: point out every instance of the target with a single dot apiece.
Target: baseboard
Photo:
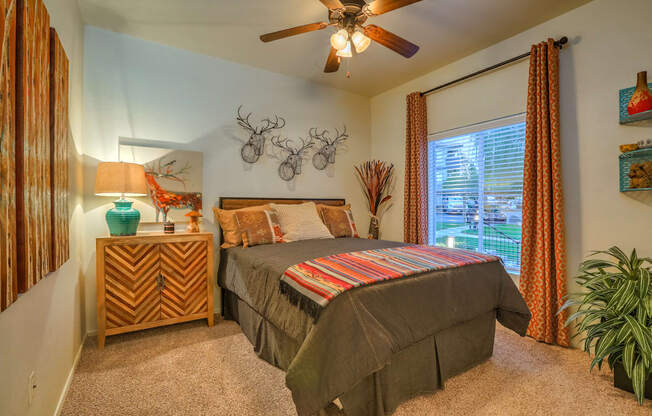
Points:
(64, 392)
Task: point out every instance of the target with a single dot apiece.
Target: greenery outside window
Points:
(475, 187)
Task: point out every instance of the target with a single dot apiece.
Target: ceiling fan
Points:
(349, 16)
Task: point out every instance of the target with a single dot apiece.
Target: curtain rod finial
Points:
(561, 42)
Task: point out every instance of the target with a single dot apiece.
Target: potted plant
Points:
(615, 315)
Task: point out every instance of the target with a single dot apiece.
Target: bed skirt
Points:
(418, 369)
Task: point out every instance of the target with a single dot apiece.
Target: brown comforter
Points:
(360, 330)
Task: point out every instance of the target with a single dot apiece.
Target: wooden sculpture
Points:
(193, 225)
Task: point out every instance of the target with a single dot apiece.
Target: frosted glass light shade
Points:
(118, 178)
(339, 39)
(360, 41)
(346, 52)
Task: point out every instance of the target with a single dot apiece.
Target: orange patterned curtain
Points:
(543, 255)
(415, 215)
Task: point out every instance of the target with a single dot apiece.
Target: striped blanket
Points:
(313, 284)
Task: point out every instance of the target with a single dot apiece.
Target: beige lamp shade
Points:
(120, 178)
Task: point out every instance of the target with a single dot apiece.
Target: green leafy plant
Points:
(614, 313)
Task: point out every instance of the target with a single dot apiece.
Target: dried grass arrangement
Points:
(376, 178)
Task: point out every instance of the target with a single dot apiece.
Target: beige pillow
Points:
(300, 221)
(339, 220)
(229, 224)
(259, 227)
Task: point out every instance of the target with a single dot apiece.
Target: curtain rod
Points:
(558, 44)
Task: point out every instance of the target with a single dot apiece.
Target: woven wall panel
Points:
(8, 285)
(33, 212)
(59, 132)
(183, 265)
(132, 293)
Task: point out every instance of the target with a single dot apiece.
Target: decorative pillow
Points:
(339, 220)
(300, 221)
(259, 227)
(229, 224)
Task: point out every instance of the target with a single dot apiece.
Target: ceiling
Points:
(446, 30)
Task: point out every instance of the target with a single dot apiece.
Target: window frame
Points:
(463, 131)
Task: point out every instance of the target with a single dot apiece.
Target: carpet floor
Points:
(190, 369)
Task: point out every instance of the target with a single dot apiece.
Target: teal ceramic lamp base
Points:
(122, 219)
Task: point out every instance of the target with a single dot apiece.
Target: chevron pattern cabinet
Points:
(151, 280)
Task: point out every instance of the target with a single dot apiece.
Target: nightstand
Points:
(154, 279)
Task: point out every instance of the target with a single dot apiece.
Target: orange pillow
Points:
(259, 227)
(229, 224)
(339, 220)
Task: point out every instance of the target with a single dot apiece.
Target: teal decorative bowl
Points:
(123, 219)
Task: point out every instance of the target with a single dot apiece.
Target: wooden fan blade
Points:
(384, 6)
(268, 37)
(391, 41)
(333, 61)
(332, 4)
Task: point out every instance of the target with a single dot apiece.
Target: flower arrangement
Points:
(376, 179)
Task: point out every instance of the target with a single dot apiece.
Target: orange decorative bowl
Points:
(624, 148)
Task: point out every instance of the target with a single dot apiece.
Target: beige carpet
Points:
(190, 369)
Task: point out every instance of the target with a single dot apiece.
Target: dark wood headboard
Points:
(237, 203)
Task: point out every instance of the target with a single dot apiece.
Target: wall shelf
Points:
(633, 159)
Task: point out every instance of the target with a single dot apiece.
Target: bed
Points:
(375, 346)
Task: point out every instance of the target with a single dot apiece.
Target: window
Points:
(475, 186)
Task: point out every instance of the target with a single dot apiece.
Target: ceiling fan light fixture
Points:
(360, 41)
(339, 39)
(346, 52)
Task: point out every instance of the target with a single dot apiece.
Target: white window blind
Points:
(475, 188)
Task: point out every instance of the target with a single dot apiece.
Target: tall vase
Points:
(641, 98)
(374, 228)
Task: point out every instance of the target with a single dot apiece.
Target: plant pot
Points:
(623, 382)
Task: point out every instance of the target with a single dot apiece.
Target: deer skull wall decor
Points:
(291, 166)
(326, 154)
(253, 149)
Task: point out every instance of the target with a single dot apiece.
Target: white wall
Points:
(609, 43)
(43, 330)
(139, 89)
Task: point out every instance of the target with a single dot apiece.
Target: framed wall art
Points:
(174, 180)
(59, 132)
(33, 203)
(8, 283)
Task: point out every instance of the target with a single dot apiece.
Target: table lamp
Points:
(121, 179)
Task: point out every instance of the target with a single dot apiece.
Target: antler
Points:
(305, 145)
(278, 123)
(340, 136)
(286, 144)
(162, 169)
(322, 137)
(244, 122)
(282, 143)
